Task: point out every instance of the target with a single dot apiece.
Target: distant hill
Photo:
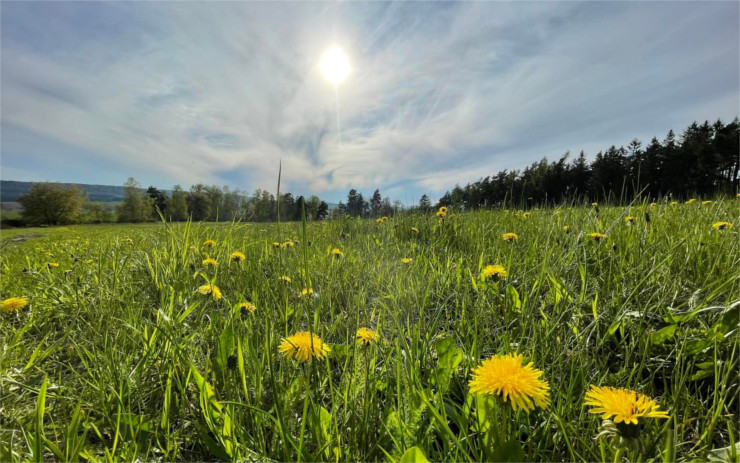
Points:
(10, 191)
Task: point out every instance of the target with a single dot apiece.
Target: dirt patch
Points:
(22, 238)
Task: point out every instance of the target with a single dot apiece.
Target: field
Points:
(120, 356)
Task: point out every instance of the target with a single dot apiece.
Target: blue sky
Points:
(439, 93)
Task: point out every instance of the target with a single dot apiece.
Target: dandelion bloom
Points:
(210, 262)
(285, 279)
(505, 375)
(691, 201)
(276, 245)
(706, 203)
(622, 404)
(595, 205)
(237, 256)
(406, 260)
(366, 336)
(209, 243)
(441, 214)
(629, 219)
(597, 236)
(443, 209)
(89, 261)
(288, 244)
(128, 240)
(337, 253)
(52, 265)
(14, 304)
(414, 229)
(673, 203)
(379, 220)
(566, 229)
(510, 237)
(246, 307)
(494, 271)
(526, 215)
(721, 225)
(303, 346)
(211, 290)
(307, 292)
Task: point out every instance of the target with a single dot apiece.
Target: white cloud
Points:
(190, 91)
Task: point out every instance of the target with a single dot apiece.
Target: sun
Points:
(335, 66)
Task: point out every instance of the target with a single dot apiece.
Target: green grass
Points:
(122, 358)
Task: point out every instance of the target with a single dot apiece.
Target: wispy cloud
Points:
(439, 93)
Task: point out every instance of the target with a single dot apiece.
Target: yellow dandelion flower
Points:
(721, 225)
(441, 214)
(89, 261)
(595, 205)
(276, 245)
(597, 236)
(246, 307)
(209, 243)
(406, 260)
(285, 279)
(337, 253)
(691, 201)
(303, 347)
(51, 265)
(128, 240)
(510, 237)
(706, 203)
(673, 203)
(14, 304)
(494, 271)
(384, 218)
(307, 292)
(623, 404)
(210, 262)
(237, 256)
(566, 229)
(366, 336)
(526, 215)
(506, 376)
(379, 220)
(211, 290)
(653, 204)
(443, 209)
(414, 229)
(630, 219)
(288, 244)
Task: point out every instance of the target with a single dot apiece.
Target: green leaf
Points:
(38, 442)
(511, 451)
(225, 346)
(513, 294)
(724, 454)
(449, 358)
(414, 455)
(664, 334)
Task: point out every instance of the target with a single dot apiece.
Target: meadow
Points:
(123, 351)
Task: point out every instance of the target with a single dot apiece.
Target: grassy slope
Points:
(117, 337)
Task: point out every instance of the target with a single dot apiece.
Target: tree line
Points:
(50, 203)
(357, 206)
(704, 160)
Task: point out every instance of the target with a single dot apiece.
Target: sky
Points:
(438, 93)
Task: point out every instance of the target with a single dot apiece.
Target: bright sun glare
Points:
(335, 66)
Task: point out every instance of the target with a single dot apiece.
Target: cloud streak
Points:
(439, 93)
